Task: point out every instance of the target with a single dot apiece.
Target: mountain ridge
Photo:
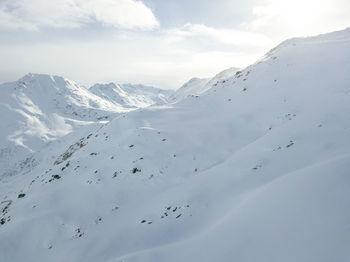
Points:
(197, 86)
(253, 169)
(39, 108)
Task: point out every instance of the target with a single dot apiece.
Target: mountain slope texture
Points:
(38, 109)
(197, 86)
(256, 168)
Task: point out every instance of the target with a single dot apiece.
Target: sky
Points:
(162, 43)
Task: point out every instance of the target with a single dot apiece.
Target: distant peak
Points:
(43, 78)
(44, 82)
(36, 75)
(110, 86)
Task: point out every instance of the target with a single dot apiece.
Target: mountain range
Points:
(38, 109)
(252, 165)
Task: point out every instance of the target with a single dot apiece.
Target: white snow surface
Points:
(130, 95)
(257, 168)
(197, 86)
(39, 108)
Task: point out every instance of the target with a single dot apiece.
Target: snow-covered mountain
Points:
(197, 86)
(39, 108)
(254, 169)
(130, 95)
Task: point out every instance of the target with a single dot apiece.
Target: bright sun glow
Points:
(294, 15)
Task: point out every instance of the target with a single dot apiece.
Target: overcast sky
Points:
(156, 42)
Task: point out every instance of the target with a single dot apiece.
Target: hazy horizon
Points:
(152, 42)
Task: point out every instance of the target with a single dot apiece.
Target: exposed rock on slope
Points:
(254, 169)
(38, 109)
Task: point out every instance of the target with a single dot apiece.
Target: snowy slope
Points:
(197, 86)
(130, 95)
(193, 87)
(39, 108)
(254, 169)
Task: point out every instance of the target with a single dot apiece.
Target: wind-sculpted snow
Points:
(254, 169)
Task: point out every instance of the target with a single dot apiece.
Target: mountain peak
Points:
(253, 168)
(45, 83)
(45, 78)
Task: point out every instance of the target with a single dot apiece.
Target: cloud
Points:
(36, 14)
(124, 13)
(152, 58)
(288, 18)
(220, 35)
